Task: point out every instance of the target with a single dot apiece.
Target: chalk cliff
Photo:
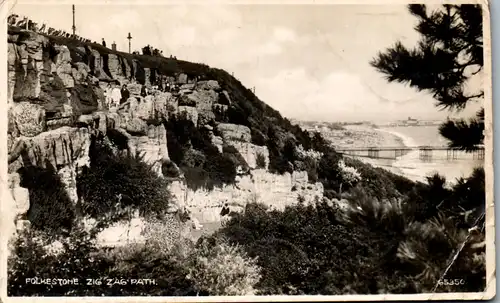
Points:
(56, 102)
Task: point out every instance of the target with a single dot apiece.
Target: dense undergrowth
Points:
(385, 243)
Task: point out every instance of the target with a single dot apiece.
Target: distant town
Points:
(323, 126)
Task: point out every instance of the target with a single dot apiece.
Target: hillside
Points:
(99, 178)
(210, 133)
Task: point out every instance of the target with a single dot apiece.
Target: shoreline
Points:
(409, 165)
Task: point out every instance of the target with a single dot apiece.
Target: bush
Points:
(260, 161)
(128, 175)
(191, 148)
(77, 259)
(222, 269)
(170, 170)
(303, 250)
(51, 209)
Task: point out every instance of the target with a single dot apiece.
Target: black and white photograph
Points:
(209, 150)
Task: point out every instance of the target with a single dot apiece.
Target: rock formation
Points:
(56, 96)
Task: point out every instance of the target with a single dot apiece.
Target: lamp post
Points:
(129, 37)
(73, 27)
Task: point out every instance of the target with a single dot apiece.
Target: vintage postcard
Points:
(247, 151)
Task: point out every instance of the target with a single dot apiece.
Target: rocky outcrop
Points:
(275, 191)
(26, 65)
(65, 150)
(152, 147)
(57, 100)
(27, 119)
(234, 132)
(251, 152)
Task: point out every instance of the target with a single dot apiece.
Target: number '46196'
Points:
(451, 282)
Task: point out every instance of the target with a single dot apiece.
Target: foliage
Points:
(31, 259)
(421, 249)
(448, 55)
(303, 250)
(426, 251)
(170, 170)
(260, 160)
(113, 174)
(200, 160)
(222, 269)
(51, 209)
(348, 174)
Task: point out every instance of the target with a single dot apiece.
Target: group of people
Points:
(26, 23)
(116, 96)
(150, 51)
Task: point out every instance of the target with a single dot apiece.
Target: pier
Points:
(426, 153)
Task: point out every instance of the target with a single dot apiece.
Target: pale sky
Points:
(310, 62)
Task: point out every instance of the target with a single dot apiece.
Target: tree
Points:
(448, 55)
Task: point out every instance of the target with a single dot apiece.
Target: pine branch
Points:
(463, 135)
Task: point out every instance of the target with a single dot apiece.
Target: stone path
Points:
(207, 229)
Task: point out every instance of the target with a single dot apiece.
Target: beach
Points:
(410, 164)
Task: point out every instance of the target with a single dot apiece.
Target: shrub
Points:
(146, 262)
(170, 170)
(260, 160)
(303, 249)
(222, 269)
(51, 209)
(190, 147)
(77, 260)
(427, 249)
(110, 175)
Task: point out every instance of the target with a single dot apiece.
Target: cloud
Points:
(269, 48)
(340, 96)
(283, 34)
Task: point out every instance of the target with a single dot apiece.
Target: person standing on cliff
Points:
(125, 94)
(224, 214)
(103, 42)
(116, 96)
(144, 91)
(107, 96)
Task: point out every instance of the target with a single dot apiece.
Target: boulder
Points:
(81, 72)
(145, 108)
(85, 119)
(63, 66)
(134, 126)
(147, 77)
(234, 132)
(208, 85)
(250, 152)
(134, 89)
(153, 146)
(189, 86)
(182, 79)
(99, 66)
(164, 105)
(115, 68)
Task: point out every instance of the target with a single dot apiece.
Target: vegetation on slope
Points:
(395, 236)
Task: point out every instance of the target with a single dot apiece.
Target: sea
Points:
(451, 165)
